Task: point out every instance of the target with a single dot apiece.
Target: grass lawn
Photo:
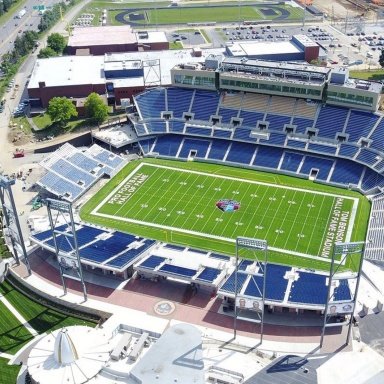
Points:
(205, 35)
(8, 372)
(13, 334)
(375, 74)
(41, 318)
(42, 121)
(176, 202)
(175, 45)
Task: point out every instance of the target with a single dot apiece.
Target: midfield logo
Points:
(227, 205)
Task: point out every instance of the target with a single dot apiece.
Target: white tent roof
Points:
(70, 356)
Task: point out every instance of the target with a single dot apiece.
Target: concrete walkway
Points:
(24, 322)
(6, 355)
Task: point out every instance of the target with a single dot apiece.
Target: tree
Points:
(56, 42)
(96, 108)
(381, 58)
(46, 52)
(61, 109)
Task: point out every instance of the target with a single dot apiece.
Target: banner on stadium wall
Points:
(341, 308)
(251, 304)
(70, 267)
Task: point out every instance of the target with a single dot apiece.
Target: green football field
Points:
(177, 202)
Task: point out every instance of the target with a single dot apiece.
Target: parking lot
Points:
(340, 48)
(187, 37)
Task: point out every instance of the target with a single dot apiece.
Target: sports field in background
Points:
(177, 202)
(215, 12)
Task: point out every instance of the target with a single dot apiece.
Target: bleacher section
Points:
(200, 147)
(309, 288)
(97, 247)
(268, 157)
(322, 165)
(241, 153)
(71, 172)
(375, 234)
(360, 124)
(284, 285)
(305, 109)
(204, 104)
(338, 133)
(151, 103)
(336, 116)
(179, 101)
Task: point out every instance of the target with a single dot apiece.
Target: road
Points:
(7, 163)
(29, 22)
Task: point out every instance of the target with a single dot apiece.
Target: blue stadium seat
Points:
(178, 271)
(205, 104)
(227, 114)
(302, 124)
(176, 126)
(346, 172)
(167, 145)
(359, 125)
(327, 149)
(72, 173)
(377, 137)
(372, 180)
(268, 157)
(146, 145)
(156, 126)
(179, 100)
(218, 149)
(151, 103)
(60, 186)
(323, 165)
(243, 134)
(331, 120)
(82, 161)
(367, 156)
(275, 138)
(348, 150)
(241, 153)
(291, 161)
(201, 146)
(208, 274)
(310, 288)
(296, 144)
(229, 284)
(250, 119)
(199, 131)
(276, 285)
(152, 262)
(277, 122)
(221, 133)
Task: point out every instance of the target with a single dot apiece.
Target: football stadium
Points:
(228, 215)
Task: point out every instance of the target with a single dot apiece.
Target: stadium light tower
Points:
(11, 218)
(343, 306)
(244, 305)
(69, 261)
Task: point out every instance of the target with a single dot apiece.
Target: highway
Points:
(29, 22)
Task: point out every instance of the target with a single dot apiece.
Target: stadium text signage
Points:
(128, 189)
(337, 227)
